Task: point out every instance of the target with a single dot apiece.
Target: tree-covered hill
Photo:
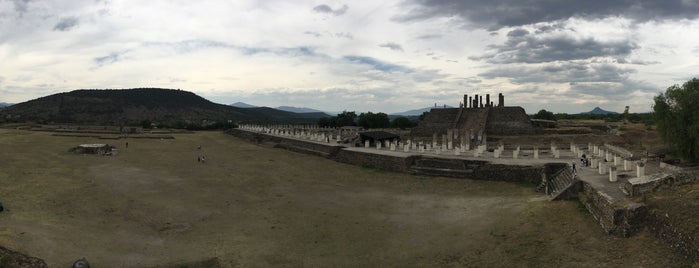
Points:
(163, 107)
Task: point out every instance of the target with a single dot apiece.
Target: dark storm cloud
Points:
(65, 24)
(496, 14)
(523, 47)
(328, 10)
(392, 46)
(565, 72)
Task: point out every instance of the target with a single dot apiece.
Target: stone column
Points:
(617, 159)
(366, 144)
(612, 174)
(602, 169)
(457, 151)
(626, 165)
(640, 169)
(515, 154)
(594, 162)
(536, 153)
(434, 139)
(496, 153)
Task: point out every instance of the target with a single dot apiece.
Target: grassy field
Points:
(153, 204)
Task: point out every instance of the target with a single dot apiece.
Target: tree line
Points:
(366, 120)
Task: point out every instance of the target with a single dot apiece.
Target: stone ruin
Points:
(98, 148)
(476, 118)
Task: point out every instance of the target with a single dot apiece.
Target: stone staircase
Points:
(557, 185)
(438, 121)
(472, 119)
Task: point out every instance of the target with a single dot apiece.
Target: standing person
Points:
(574, 171)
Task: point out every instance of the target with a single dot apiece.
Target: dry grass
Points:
(252, 206)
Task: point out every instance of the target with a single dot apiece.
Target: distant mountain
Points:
(167, 107)
(599, 110)
(5, 104)
(418, 112)
(243, 105)
(299, 110)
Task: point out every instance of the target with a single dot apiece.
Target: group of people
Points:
(202, 158)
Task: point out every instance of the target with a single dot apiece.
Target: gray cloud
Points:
(20, 6)
(392, 46)
(345, 35)
(429, 36)
(523, 47)
(314, 34)
(561, 72)
(109, 59)
(378, 64)
(327, 9)
(508, 13)
(65, 24)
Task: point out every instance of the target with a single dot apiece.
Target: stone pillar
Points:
(640, 169)
(515, 154)
(617, 159)
(366, 144)
(612, 174)
(378, 145)
(594, 162)
(434, 139)
(457, 151)
(626, 165)
(536, 153)
(480, 102)
(602, 169)
(465, 101)
(487, 100)
(496, 153)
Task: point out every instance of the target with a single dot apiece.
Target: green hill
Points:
(163, 107)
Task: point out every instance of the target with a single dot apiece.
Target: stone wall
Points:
(508, 121)
(416, 164)
(380, 161)
(622, 218)
(671, 177)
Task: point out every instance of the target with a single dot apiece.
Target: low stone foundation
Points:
(416, 164)
(670, 178)
(622, 218)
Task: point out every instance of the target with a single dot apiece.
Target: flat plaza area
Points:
(154, 204)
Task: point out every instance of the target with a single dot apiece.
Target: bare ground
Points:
(251, 206)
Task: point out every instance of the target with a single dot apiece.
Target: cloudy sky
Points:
(382, 56)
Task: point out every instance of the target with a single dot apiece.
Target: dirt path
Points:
(250, 206)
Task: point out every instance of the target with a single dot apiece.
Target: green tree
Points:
(676, 114)
(546, 115)
(402, 122)
(346, 119)
(373, 120)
